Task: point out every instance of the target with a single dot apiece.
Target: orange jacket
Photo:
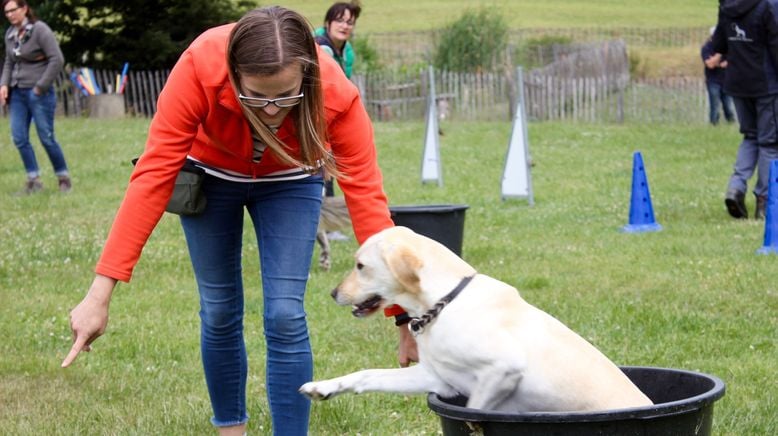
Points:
(199, 114)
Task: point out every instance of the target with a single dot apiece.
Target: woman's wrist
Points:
(102, 289)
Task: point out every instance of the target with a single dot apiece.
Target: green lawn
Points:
(693, 296)
(407, 15)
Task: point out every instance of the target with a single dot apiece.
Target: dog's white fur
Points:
(487, 344)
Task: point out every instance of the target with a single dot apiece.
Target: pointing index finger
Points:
(74, 350)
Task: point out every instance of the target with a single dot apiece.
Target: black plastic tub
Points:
(683, 405)
(444, 223)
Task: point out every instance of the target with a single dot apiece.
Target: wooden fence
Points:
(488, 96)
(586, 81)
(492, 97)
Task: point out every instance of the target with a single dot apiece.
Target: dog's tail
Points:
(334, 214)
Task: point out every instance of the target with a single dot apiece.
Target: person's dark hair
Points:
(23, 3)
(337, 10)
(264, 42)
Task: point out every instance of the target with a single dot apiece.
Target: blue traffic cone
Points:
(771, 215)
(641, 213)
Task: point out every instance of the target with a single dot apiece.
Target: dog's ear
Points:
(404, 265)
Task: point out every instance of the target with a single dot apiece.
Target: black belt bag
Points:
(188, 197)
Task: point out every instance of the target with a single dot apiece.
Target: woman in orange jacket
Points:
(265, 115)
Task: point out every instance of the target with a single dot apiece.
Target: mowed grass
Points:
(409, 15)
(692, 296)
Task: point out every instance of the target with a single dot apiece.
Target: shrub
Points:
(367, 58)
(638, 67)
(472, 43)
(538, 52)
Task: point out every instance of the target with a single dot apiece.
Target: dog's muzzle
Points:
(364, 308)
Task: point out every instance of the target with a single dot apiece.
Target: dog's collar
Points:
(418, 324)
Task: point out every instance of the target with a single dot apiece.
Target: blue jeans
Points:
(25, 107)
(716, 94)
(285, 217)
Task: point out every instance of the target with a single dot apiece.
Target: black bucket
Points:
(444, 223)
(683, 405)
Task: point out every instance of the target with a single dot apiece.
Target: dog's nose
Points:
(334, 293)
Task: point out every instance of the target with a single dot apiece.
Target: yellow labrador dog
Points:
(476, 336)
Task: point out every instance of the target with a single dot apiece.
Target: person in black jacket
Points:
(747, 34)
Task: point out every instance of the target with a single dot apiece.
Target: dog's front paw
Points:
(323, 390)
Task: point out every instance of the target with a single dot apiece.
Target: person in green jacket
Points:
(334, 36)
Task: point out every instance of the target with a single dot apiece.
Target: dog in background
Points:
(333, 216)
(475, 335)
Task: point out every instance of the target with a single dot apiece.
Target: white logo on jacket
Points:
(740, 34)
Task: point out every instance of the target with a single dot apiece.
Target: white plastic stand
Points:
(516, 178)
(430, 164)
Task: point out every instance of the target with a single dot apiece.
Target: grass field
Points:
(408, 15)
(693, 296)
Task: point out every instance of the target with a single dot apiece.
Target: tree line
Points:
(152, 34)
(149, 34)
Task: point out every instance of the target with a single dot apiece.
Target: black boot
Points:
(761, 203)
(736, 204)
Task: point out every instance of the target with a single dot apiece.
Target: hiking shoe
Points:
(736, 204)
(32, 186)
(65, 185)
(761, 203)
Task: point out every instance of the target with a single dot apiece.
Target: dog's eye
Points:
(360, 265)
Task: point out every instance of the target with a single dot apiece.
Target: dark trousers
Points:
(758, 119)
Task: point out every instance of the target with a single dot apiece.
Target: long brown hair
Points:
(264, 42)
